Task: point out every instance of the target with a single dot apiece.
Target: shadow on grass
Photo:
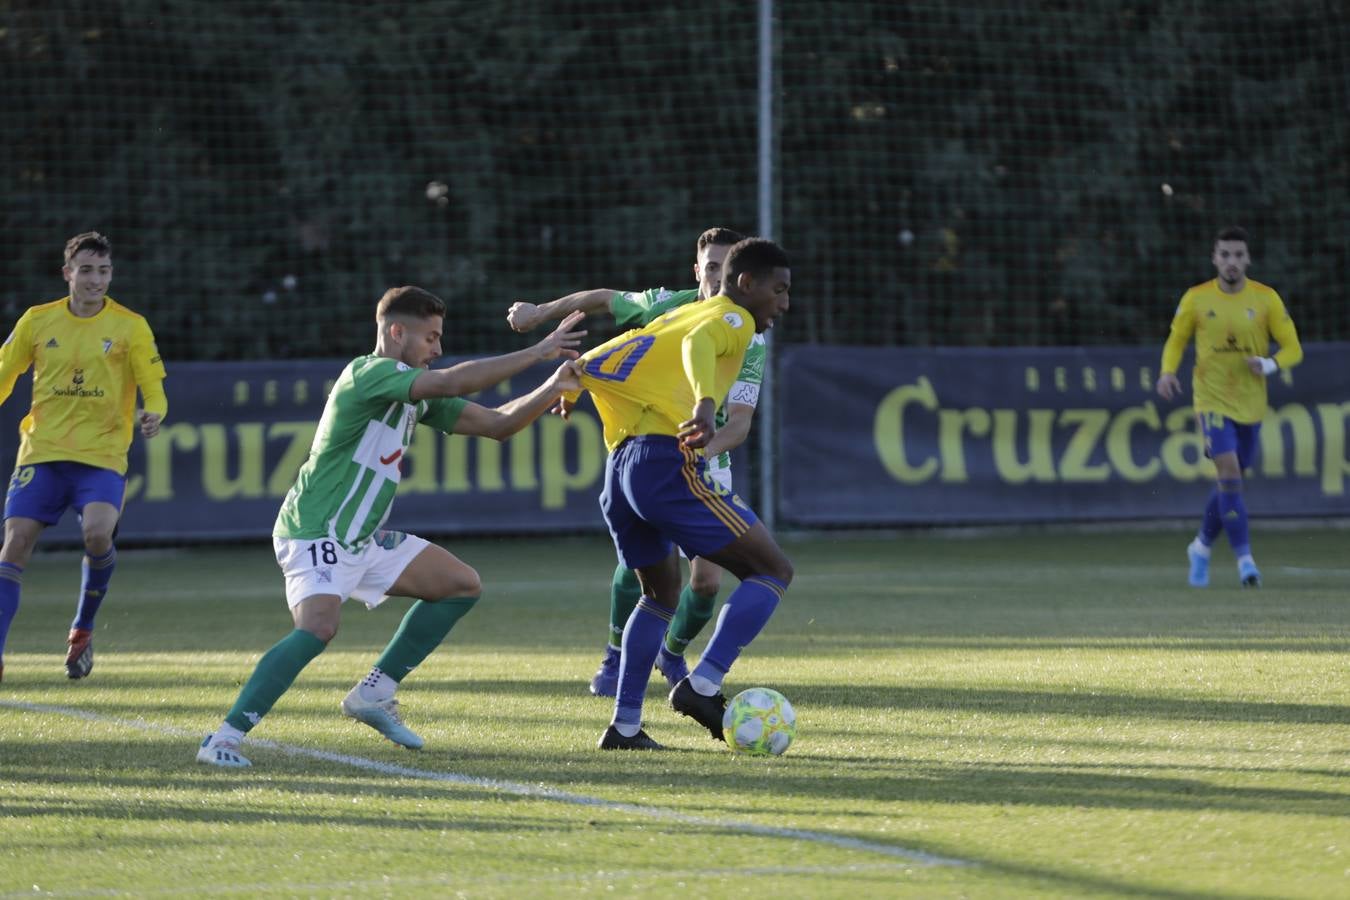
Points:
(1087, 704)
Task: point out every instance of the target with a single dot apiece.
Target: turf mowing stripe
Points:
(383, 884)
(538, 792)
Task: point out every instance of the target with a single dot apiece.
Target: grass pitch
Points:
(1004, 715)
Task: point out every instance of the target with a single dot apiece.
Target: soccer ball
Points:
(759, 722)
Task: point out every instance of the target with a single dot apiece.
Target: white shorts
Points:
(320, 566)
(722, 477)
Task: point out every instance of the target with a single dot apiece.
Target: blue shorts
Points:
(44, 491)
(1223, 435)
(658, 494)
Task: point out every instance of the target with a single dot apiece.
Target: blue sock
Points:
(1234, 514)
(743, 616)
(11, 580)
(642, 638)
(1212, 525)
(95, 573)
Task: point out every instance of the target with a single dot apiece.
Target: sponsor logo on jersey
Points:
(733, 319)
(51, 344)
(663, 295)
(1211, 314)
(77, 388)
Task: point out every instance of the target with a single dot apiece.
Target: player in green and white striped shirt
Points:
(329, 536)
(733, 426)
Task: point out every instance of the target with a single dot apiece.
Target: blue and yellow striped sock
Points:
(11, 581)
(95, 573)
(1233, 512)
(744, 615)
(642, 637)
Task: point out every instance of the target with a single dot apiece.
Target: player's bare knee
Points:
(324, 631)
(704, 583)
(97, 543)
(465, 583)
(18, 549)
(781, 569)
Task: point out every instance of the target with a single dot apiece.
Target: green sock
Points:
(272, 677)
(695, 611)
(422, 630)
(624, 593)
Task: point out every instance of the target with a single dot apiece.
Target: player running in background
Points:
(1233, 320)
(657, 390)
(89, 356)
(329, 536)
(634, 310)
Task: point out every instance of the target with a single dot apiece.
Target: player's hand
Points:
(566, 377)
(699, 429)
(1169, 386)
(564, 340)
(563, 408)
(149, 423)
(1254, 363)
(523, 316)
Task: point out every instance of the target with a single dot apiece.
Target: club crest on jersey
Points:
(1251, 314)
(107, 345)
(733, 319)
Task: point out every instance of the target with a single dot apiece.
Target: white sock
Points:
(705, 686)
(1200, 549)
(626, 730)
(227, 732)
(377, 686)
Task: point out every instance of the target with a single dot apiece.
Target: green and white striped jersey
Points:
(347, 484)
(635, 309)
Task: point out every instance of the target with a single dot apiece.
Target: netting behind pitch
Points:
(946, 173)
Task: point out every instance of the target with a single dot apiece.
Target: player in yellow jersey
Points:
(89, 356)
(1233, 320)
(657, 389)
(633, 310)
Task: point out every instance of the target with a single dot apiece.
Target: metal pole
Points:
(768, 412)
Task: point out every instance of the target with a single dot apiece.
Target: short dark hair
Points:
(90, 240)
(720, 236)
(1232, 233)
(410, 302)
(758, 256)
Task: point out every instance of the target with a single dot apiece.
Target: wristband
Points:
(1269, 366)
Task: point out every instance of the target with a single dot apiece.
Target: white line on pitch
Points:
(538, 792)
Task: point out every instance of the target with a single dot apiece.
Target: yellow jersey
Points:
(646, 381)
(1228, 328)
(85, 375)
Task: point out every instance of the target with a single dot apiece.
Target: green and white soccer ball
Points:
(759, 722)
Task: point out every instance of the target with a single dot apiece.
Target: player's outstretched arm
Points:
(499, 423)
(524, 316)
(476, 374)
